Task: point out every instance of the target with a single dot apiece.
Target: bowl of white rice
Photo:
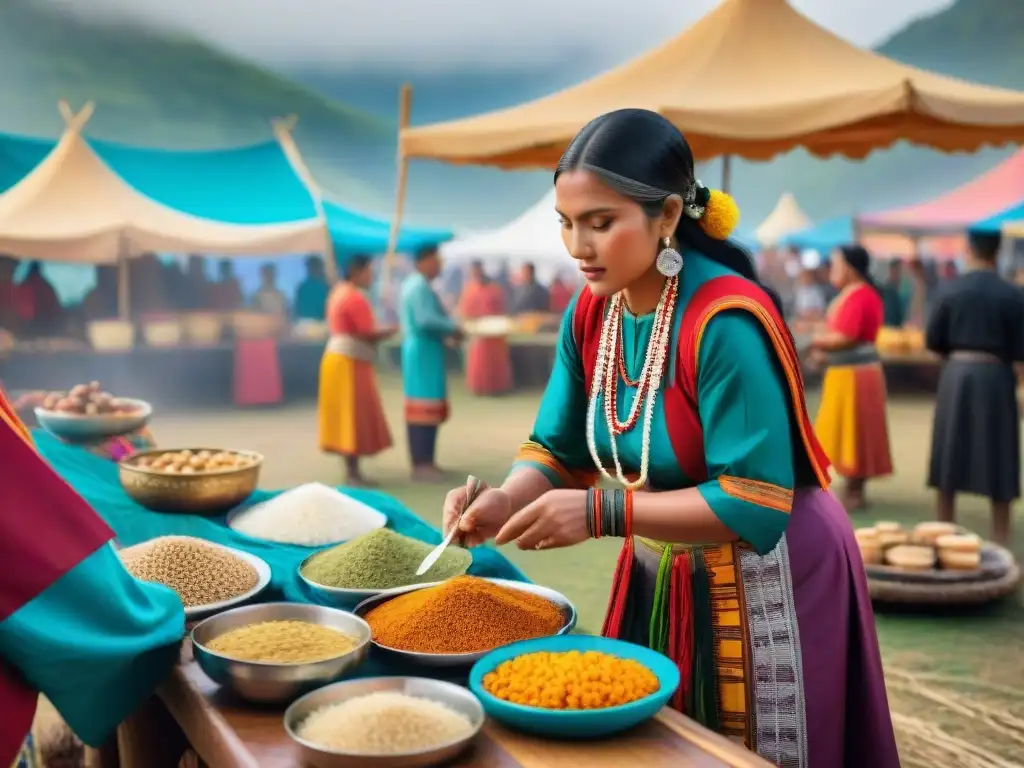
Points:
(310, 515)
(384, 722)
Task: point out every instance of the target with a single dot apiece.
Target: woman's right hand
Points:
(482, 520)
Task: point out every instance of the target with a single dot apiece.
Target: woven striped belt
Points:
(974, 356)
(349, 346)
(657, 547)
(862, 354)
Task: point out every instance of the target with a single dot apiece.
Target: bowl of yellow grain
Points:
(573, 686)
(274, 652)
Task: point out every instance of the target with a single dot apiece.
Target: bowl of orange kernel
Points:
(573, 686)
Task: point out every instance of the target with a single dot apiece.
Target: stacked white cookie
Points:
(926, 547)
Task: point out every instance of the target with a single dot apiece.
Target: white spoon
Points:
(473, 488)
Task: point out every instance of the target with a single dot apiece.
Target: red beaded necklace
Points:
(612, 373)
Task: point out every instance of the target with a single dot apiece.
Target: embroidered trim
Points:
(757, 492)
(428, 413)
(794, 376)
(29, 756)
(731, 643)
(536, 453)
(10, 417)
(780, 709)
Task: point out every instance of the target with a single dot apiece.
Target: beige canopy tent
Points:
(785, 219)
(73, 207)
(753, 78)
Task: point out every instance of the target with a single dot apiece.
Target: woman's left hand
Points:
(556, 519)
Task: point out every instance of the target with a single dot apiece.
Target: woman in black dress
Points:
(977, 325)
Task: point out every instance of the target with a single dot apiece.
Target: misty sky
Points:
(445, 33)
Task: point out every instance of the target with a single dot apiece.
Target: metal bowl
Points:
(81, 427)
(204, 493)
(460, 660)
(336, 597)
(348, 599)
(276, 683)
(453, 696)
(195, 612)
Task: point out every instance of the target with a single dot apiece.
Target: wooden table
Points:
(191, 710)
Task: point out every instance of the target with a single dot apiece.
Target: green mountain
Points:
(980, 40)
(164, 90)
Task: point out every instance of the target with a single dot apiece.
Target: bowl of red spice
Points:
(456, 622)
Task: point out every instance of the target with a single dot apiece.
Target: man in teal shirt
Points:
(892, 295)
(426, 329)
(311, 296)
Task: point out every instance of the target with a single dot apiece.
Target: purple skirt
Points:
(813, 684)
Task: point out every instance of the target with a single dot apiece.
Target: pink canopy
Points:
(991, 193)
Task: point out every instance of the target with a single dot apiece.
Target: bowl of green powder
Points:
(374, 564)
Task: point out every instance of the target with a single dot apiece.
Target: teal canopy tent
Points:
(1010, 222)
(18, 156)
(823, 237)
(251, 185)
(353, 233)
(255, 200)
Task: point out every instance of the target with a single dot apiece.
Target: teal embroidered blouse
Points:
(743, 403)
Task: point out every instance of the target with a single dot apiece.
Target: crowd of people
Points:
(31, 308)
(802, 279)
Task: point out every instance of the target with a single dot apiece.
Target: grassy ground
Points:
(955, 676)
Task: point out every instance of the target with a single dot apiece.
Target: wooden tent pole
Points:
(123, 282)
(726, 172)
(283, 133)
(404, 112)
(75, 121)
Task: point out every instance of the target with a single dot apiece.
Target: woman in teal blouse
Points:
(676, 374)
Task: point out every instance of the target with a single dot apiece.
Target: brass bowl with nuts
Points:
(197, 481)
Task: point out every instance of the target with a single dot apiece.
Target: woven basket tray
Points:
(989, 583)
(995, 562)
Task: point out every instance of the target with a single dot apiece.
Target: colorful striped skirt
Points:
(777, 651)
(851, 424)
(488, 367)
(350, 411)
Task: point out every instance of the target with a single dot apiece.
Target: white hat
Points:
(810, 258)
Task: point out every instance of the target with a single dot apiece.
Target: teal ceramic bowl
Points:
(575, 723)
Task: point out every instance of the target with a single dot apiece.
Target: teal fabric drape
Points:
(96, 480)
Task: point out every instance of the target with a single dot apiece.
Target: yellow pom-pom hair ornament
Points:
(715, 211)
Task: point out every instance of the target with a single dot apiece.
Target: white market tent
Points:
(73, 208)
(785, 219)
(534, 236)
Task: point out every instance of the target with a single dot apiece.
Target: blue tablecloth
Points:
(96, 480)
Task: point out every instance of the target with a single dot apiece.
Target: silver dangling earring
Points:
(670, 261)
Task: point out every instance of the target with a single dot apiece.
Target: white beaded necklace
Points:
(606, 369)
